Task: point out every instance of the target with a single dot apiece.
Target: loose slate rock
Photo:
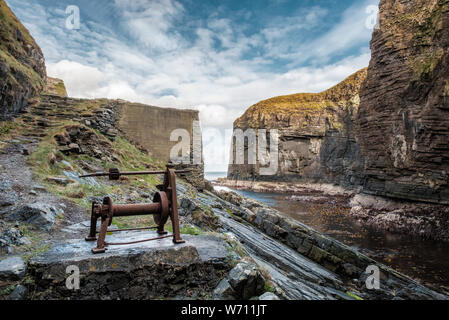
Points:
(12, 268)
(246, 280)
(39, 214)
(19, 293)
(224, 291)
(269, 296)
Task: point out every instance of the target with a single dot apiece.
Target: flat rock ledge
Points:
(156, 269)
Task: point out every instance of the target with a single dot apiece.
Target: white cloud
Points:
(80, 80)
(151, 22)
(159, 67)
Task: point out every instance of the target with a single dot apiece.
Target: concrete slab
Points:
(143, 270)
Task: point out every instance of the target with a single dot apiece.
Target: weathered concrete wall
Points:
(151, 126)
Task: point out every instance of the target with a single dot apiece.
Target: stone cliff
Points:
(22, 65)
(403, 120)
(387, 133)
(316, 132)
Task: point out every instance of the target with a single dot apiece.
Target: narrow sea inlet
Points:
(421, 259)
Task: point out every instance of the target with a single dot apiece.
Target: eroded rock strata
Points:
(403, 119)
(384, 129)
(316, 135)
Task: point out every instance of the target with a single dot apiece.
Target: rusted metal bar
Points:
(131, 229)
(164, 206)
(115, 174)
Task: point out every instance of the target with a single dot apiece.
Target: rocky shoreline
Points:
(429, 221)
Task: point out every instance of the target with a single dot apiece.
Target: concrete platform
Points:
(145, 270)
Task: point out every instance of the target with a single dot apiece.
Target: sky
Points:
(216, 56)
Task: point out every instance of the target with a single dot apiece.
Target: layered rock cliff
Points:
(403, 120)
(22, 65)
(395, 143)
(316, 135)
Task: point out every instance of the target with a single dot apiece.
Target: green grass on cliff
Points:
(10, 23)
(60, 89)
(18, 68)
(301, 106)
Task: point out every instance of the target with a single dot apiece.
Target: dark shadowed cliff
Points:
(403, 120)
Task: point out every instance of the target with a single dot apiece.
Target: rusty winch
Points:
(164, 205)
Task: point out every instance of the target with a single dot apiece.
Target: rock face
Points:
(403, 118)
(22, 65)
(387, 133)
(147, 270)
(316, 135)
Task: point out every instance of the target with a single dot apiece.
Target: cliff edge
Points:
(316, 134)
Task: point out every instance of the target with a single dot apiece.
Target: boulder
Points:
(187, 205)
(39, 214)
(224, 291)
(18, 293)
(269, 296)
(246, 280)
(12, 268)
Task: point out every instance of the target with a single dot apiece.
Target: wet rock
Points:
(246, 280)
(322, 266)
(224, 291)
(12, 268)
(269, 296)
(38, 214)
(19, 293)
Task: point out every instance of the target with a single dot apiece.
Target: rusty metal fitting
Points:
(164, 206)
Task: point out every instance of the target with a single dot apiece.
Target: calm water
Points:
(424, 260)
(214, 175)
